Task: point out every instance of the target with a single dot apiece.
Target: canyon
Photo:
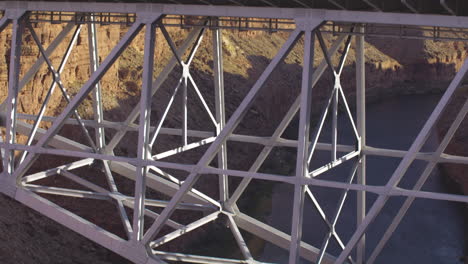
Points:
(394, 67)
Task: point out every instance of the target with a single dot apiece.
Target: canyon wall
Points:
(393, 67)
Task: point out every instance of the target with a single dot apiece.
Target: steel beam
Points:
(55, 171)
(334, 113)
(66, 192)
(247, 11)
(144, 151)
(12, 99)
(240, 239)
(361, 127)
(184, 101)
(97, 95)
(302, 169)
(218, 71)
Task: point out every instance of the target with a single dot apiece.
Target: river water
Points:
(431, 232)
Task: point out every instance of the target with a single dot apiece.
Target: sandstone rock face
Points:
(393, 67)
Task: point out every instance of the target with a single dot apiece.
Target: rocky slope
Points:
(393, 67)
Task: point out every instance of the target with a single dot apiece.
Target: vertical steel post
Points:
(144, 152)
(185, 73)
(99, 118)
(334, 136)
(2, 149)
(97, 95)
(220, 109)
(361, 127)
(12, 99)
(302, 147)
(3, 24)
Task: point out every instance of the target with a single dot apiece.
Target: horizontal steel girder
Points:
(241, 11)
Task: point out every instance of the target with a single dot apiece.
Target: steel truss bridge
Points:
(441, 20)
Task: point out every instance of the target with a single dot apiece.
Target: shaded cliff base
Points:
(31, 238)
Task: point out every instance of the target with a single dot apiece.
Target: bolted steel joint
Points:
(337, 81)
(308, 23)
(15, 12)
(148, 17)
(185, 70)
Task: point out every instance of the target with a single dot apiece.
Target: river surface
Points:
(431, 232)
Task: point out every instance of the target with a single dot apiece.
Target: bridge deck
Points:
(444, 7)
